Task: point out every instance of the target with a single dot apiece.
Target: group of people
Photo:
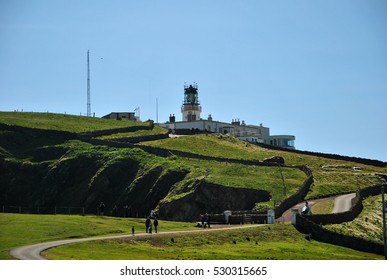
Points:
(148, 223)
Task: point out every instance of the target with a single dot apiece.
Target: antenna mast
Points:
(157, 111)
(88, 86)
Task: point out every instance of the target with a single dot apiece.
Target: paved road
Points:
(343, 203)
(33, 252)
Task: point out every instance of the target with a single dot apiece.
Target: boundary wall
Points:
(312, 225)
(365, 161)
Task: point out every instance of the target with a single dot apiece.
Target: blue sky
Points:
(313, 69)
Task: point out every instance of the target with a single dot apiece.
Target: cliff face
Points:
(50, 169)
(211, 198)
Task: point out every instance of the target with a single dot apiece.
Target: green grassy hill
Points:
(339, 178)
(46, 161)
(43, 169)
(62, 122)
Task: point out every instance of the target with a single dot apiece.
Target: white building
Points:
(191, 123)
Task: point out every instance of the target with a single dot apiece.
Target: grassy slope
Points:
(255, 177)
(218, 173)
(63, 122)
(266, 242)
(327, 181)
(22, 229)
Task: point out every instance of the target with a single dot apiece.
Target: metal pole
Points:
(88, 86)
(157, 111)
(384, 210)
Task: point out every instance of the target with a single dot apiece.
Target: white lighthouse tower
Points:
(191, 108)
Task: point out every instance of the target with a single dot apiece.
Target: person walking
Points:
(101, 208)
(156, 224)
(306, 209)
(147, 223)
(133, 230)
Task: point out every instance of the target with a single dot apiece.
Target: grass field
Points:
(279, 241)
(17, 230)
(267, 242)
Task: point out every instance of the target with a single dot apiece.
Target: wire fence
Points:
(46, 210)
(70, 210)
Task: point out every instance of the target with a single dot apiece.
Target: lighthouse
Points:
(191, 108)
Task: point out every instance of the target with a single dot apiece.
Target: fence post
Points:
(38, 209)
(384, 210)
(19, 209)
(83, 211)
(3, 209)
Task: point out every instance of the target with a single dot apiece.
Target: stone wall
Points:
(312, 225)
(319, 233)
(295, 198)
(144, 138)
(239, 219)
(357, 207)
(98, 133)
(35, 132)
(373, 162)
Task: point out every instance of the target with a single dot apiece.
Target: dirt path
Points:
(33, 252)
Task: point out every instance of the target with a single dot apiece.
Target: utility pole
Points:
(88, 86)
(384, 210)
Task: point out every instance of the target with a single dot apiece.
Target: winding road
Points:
(342, 204)
(34, 252)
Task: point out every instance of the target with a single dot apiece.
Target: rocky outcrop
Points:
(211, 198)
(145, 191)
